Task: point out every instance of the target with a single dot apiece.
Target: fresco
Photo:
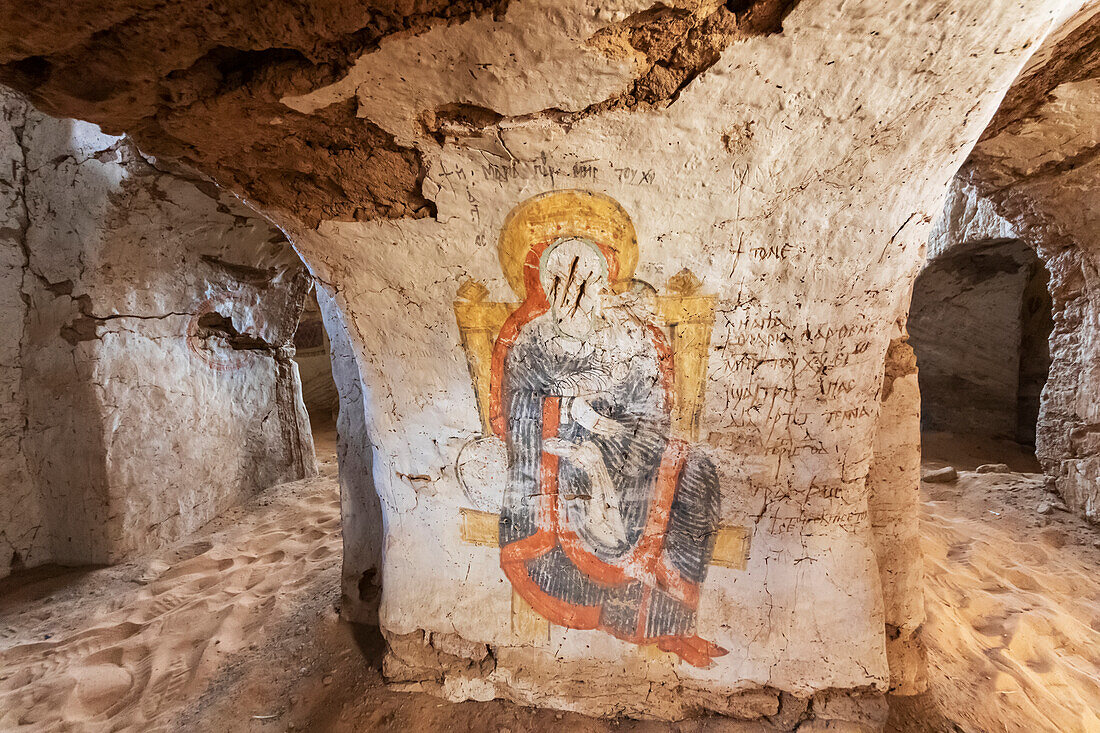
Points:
(606, 511)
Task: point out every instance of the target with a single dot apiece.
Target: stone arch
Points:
(979, 322)
(1037, 168)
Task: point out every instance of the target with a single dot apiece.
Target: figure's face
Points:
(574, 278)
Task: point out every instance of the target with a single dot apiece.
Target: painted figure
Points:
(608, 521)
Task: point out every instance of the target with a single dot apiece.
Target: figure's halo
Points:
(567, 213)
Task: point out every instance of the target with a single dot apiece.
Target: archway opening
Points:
(979, 323)
(312, 353)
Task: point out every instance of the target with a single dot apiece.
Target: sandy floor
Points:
(126, 647)
(1013, 602)
(238, 629)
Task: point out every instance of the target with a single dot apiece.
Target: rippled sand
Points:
(238, 629)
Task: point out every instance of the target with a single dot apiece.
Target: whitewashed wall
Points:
(130, 424)
(798, 178)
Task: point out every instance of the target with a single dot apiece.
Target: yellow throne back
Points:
(688, 316)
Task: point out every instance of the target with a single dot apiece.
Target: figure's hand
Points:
(585, 455)
(583, 413)
(559, 447)
(603, 518)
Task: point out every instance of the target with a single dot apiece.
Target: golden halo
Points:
(567, 213)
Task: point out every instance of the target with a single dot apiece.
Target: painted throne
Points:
(688, 317)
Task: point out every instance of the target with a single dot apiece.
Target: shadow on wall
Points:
(979, 323)
(361, 516)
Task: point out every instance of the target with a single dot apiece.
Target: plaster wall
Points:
(360, 509)
(797, 178)
(23, 539)
(893, 483)
(790, 155)
(155, 378)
